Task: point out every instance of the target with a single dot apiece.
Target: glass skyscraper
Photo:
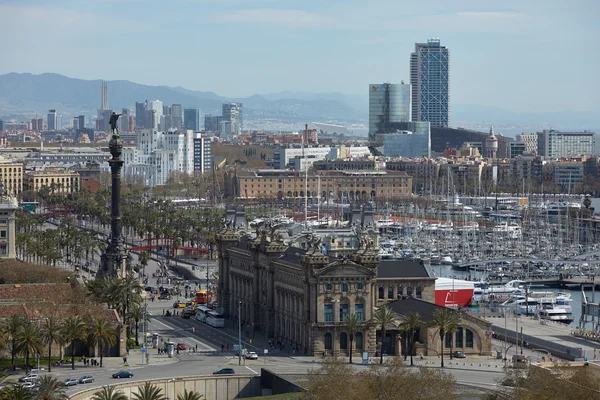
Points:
(191, 119)
(412, 140)
(388, 104)
(430, 80)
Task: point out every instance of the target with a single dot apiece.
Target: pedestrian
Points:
(222, 347)
(163, 311)
(196, 348)
(124, 360)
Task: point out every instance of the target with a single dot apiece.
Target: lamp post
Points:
(335, 309)
(240, 333)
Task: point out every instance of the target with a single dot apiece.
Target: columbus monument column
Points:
(114, 260)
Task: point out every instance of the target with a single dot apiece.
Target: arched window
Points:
(418, 292)
(448, 340)
(469, 338)
(381, 293)
(328, 341)
(459, 338)
(343, 341)
(390, 293)
(400, 291)
(358, 338)
(409, 291)
(344, 287)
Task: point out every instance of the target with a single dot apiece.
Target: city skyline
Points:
(516, 56)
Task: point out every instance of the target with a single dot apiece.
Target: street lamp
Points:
(240, 333)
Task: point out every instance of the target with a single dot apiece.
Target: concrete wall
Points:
(211, 387)
(277, 384)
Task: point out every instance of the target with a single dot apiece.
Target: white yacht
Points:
(536, 301)
(556, 314)
(498, 292)
(511, 229)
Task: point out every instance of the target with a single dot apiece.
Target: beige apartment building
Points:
(11, 176)
(341, 185)
(59, 180)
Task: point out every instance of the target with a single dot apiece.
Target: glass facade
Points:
(388, 104)
(413, 141)
(191, 119)
(430, 80)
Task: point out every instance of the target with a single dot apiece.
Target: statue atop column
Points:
(113, 123)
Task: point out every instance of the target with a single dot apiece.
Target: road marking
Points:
(176, 329)
(253, 371)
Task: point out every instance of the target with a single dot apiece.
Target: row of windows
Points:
(458, 336)
(400, 291)
(344, 312)
(344, 286)
(343, 340)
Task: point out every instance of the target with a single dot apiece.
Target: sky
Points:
(524, 55)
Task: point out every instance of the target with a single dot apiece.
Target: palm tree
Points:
(103, 335)
(383, 318)
(73, 328)
(138, 314)
(411, 321)
(149, 392)
(109, 393)
(12, 328)
(49, 388)
(189, 395)
(51, 333)
(15, 392)
(353, 324)
(29, 341)
(443, 320)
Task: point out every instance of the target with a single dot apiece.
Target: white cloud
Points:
(294, 18)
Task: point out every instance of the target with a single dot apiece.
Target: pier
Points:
(558, 282)
(556, 338)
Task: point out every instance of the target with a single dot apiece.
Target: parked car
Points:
(181, 346)
(224, 371)
(29, 378)
(86, 379)
(70, 382)
(28, 385)
(122, 374)
(459, 354)
(251, 355)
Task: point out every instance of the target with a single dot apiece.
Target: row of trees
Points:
(443, 321)
(29, 337)
(146, 392)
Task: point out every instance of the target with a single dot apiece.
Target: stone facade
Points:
(302, 297)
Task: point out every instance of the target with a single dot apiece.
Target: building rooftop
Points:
(392, 269)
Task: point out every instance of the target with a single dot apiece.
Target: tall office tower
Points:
(176, 116)
(124, 120)
(75, 124)
(81, 119)
(40, 124)
(233, 113)
(52, 120)
(212, 123)
(388, 104)
(140, 115)
(131, 126)
(156, 106)
(430, 80)
(104, 95)
(34, 125)
(191, 119)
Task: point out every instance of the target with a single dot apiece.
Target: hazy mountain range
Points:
(24, 95)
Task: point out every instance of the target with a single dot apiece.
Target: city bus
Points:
(203, 296)
(215, 319)
(201, 313)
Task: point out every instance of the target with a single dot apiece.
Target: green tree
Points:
(109, 393)
(137, 314)
(443, 320)
(49, 388)
(353, 324)
(410, 323)
(149, 392)
(384, 318)
(15, 392)
(189, 395)
(12, 328)
(73, 328)
(51, 333)
(101, 334)
(29, 341)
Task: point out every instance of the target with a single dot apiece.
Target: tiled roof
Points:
(391, 269)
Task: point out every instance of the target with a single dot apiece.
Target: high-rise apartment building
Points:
(212, 123)
(388, 104)
(191, 119)
(81, 119)
(140, 115)
(233, 113)
(52, 120)
(202, 154)
(156, 108)
(176, 116)
(104, 102)
(430, 81)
